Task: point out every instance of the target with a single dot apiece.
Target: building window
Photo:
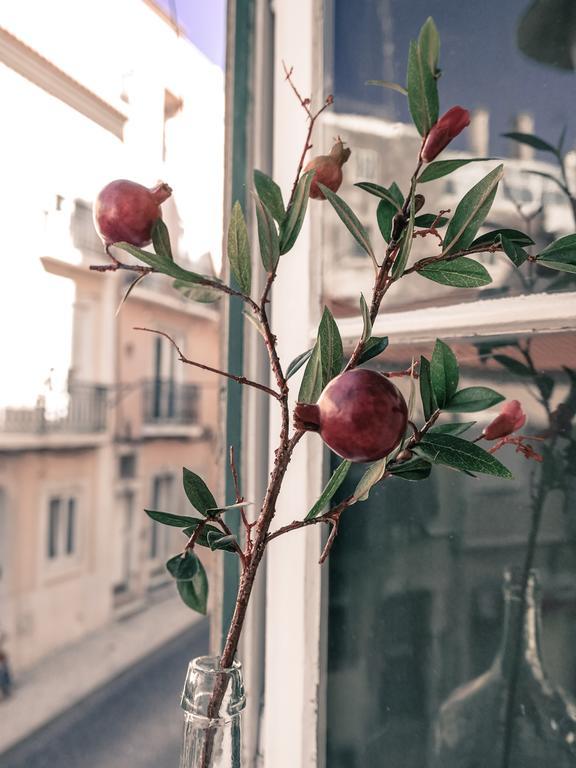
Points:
(162, 500)
(127, 466)
(62, 527)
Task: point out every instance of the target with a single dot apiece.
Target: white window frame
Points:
(293, 733)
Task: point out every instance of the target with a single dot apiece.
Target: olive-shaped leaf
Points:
(415, 469)
(439, 168)
(514, 235)
(451, 428)
(267, 236)
(161, 240)
(270, 194)
(194, 592)
(163, 265)
(390, 195)
(429, 44)
(311, 385)
(198, 493)
(460, 454)
(298, 362)
(176, 521)
(532, 141)
(204, 294)
(473, 399)
(330, 345)
(183, 567)
(367, 323)
(292, 222)
(422, 90)
(239, 249)
(444, 373)
(351, 221)
(471, 212)
(457, 273)
(332, 486)
(373, 475)
(388, 84)
(405, 245)
(373, 347)
(429, 404)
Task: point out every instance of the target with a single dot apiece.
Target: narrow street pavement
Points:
(133, 722)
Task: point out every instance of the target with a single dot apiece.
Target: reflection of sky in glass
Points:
(204, 24)
(482, 68)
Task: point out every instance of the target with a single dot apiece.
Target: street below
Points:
(133, 722)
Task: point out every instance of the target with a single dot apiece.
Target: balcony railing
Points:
(81, 410)
(167, 402)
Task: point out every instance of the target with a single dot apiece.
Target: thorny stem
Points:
(184, 359)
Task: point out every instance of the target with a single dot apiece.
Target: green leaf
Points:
(331, 487)
(515, 252)
(422, 91)
(219, 540)
(532, 141)
(207, 530)
(458, 273)
(350, 220)
(385, 216)
(292, 222)
(367, 323)
(514, 235)
(330, 344)
(161, 240)
(560, 255)
(195, 292)
(426, 220)
(163, 265)
(429, 404)
(548, 176)
(373, 474)
(429, 44)
(471, 212)
(388, 84)
(239, 248)
(379, 191)
(451, 428)
(444, 373)
(514, 366)
(177, 521)
(311, 385)
(298, 362)
(237, 505)
(561, 264)
(267, 236)
(473, 399)
(197, 492)
(439, 168)
(270, 194)
(373, 347)
(414, 469)
(460, 454)
(405, 246)
(183, 567)
(194, 593)
(396, 193)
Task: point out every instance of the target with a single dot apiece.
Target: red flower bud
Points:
(328, 169)
(510, 419)
(443, 131)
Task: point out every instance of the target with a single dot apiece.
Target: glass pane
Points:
(416, 571)
(53, 527)
(511, 65)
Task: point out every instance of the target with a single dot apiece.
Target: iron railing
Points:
(168, 402)
(81, 410)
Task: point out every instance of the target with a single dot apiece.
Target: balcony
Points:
(59, 420)
(170, 409)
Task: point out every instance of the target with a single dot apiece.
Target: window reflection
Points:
(492, 67)
(416, 572)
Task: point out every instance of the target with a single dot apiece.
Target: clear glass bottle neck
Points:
(521, 629)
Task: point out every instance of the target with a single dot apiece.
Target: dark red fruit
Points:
(360, 415)
(125, 212)
(328, 170)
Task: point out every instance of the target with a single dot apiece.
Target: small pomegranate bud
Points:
(360, 415)
(443, 131)
(328, 169)
(510, 419)
(125, 211)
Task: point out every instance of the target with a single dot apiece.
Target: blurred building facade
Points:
(98, 419)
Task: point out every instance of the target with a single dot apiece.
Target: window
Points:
(127, 466)
(62, 527)
(162, 500)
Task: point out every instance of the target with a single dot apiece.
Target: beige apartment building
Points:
(97, 419)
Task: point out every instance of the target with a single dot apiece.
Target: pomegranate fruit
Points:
(328, 169)
(125, 211)
(360, 415)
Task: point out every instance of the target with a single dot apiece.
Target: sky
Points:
(204, 22)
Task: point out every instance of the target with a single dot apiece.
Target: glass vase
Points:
(212, 700)
(512, 716)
